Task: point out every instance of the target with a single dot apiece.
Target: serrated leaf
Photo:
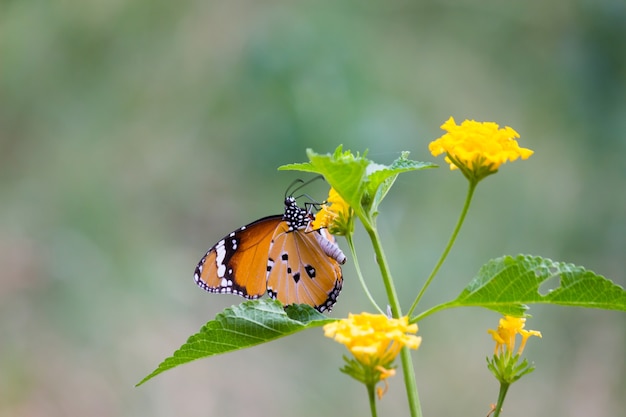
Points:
(343, 171)
(508, 284)
(380, 178)
(360, 182)
(248, 324)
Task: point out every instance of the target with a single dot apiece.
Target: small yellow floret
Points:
(334, 216)
(504, 335)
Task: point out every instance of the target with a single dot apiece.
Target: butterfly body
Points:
(278, 255)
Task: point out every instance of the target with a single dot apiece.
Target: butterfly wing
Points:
(302, 268)
(237, 264)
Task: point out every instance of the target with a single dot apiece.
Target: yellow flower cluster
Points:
(478, 148)
(334, 216)
(374, 339)
(504, 335)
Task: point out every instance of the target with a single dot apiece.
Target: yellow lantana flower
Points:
(505, 334)
(478, 148)
(506, 364)
(374, 340)
(336, 216)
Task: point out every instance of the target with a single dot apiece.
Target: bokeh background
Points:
(135, 134)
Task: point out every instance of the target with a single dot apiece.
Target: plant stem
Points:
(432, 310)
(371, 388)
(360, 275)
(390, 289)
(409, 382)
(457, 228)
(394, 303)
(501, 395)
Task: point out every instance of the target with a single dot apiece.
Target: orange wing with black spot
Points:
(303, 268)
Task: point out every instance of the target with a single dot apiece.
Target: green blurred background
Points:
(134, 134)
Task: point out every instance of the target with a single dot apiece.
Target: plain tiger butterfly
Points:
(279, 255)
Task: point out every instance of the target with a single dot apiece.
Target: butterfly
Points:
(280, 255)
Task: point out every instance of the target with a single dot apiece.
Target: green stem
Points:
(432, 310)
(394, 303)
(390, 289)
(371, 393)
(360, 275)
(501, 395)
(468, 200)
(409, 382)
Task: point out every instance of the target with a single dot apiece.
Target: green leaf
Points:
(360, 182)
(248, 324)
(507, 284)
(344, 172)
(380, 178)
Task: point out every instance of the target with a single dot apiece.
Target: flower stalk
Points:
(359, 274)
(444, 255)
(371, 395)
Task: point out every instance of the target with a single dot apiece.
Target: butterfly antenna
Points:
(288, 192)
(301, 184)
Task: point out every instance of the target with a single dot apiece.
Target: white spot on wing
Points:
(220, 251)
